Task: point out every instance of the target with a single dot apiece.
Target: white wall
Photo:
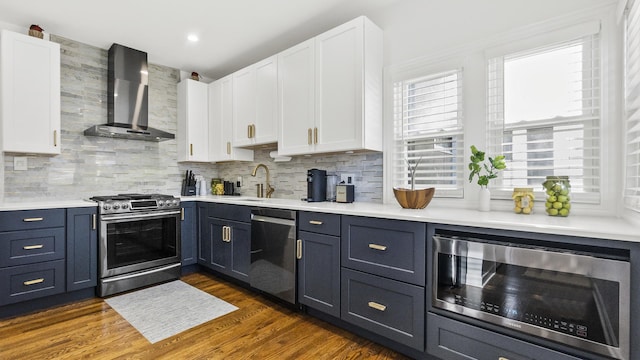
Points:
(418, 28)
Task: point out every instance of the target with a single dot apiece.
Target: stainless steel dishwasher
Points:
(273, 252)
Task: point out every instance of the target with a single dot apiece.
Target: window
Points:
(428, 130)
(632, 106)
(543, 114)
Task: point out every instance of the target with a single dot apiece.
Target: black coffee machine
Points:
(316, 185)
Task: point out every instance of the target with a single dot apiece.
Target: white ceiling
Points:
(233, 33)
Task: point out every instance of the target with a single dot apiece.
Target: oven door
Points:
(574, 298)
(138, 241)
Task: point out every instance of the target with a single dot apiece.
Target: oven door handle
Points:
(139, 216)
(138, 274)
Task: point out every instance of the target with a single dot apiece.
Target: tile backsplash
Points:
(91, 166)
(290, 178)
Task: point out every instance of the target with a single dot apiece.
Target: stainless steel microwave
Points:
(575, 298)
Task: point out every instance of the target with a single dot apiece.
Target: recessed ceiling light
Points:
(193, 38)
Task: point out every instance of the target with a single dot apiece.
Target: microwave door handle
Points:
(140, 216)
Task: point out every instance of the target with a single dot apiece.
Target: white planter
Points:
(484, 200)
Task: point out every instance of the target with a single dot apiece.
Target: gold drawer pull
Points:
(33, 282)
(191, 149)
(94, 222)
(502, 358)
(315, 135)
(375, 305)
(377, 247)
(33, 247)
(55, 138)
(299, 249)
(33, 219)
(315, 222)
(228, 148)
(309, 136)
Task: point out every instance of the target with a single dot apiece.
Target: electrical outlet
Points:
(20, 163)
(348, 178)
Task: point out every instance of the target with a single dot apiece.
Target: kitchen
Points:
(99, 166)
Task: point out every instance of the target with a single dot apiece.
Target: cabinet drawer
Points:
(230, 212)
(26, 282)
(389, 308)
(389, 248)
(31, 219)
(328, 224)
(452, 340)
(27, 247)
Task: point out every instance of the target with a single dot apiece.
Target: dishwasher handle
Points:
(273, 220)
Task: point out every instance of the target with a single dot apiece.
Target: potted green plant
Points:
(412, 198)
(485, 171)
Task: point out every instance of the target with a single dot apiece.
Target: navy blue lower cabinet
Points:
(389, 308)
(82, 248)
(188, 233)
(204, 236)
(31, 246)
(449, 339)
(26, 282)
(319, 272)
(391, 248)
(225, 245)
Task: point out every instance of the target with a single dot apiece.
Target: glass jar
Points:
(523, 200)
(558, 190)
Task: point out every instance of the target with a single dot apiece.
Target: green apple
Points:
(557, 205)
(553, 212)
(548, 204)
(552, 198)
(564, 212)
(562, 198)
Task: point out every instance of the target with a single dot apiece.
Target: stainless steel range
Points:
(139, 241)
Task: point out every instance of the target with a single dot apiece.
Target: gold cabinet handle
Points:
(55, 138)
(309, 136)
(228, 147)
(94, 221)
(33, 219)
(315, 135)
(375, 305)
(191, 149)
(298, 249)
(253, 130)
(224, 233)
(33, 282)
(33, 247)
(377, 247)
(502, 358)
(315, 222)
(249, 133)
(181, 214)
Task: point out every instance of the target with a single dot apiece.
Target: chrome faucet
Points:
(270, 189)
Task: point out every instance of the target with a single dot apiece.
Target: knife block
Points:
(188, 190)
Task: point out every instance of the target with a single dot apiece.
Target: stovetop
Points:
(129, 203)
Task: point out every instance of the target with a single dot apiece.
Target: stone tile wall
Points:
(290, 178)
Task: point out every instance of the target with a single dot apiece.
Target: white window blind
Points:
(632, 106)
(543, 114)
(428, 129)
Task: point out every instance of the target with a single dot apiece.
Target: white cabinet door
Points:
(221, 123)
(266, 120)
(244, 105)
(348, 66)
(193, 119)
(296, 87)
(29, 94)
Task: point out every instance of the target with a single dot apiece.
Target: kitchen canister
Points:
(558, 190)
(523, 200)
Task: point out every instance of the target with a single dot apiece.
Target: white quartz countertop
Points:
(584, 226)
(48, 204)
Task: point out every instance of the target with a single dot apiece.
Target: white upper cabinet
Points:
(193, 120)
(296, 91)
(29, 94)
(347, 93)
(255, 112)
(221, 147)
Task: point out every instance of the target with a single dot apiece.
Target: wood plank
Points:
(260, 329)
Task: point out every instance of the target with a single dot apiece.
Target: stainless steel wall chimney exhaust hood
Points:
(127, 98)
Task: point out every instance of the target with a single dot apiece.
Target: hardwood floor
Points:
(260, 329)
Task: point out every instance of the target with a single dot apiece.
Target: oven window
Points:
(572, 304)
(140, 241)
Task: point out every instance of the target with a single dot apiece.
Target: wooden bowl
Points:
(414, 199)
